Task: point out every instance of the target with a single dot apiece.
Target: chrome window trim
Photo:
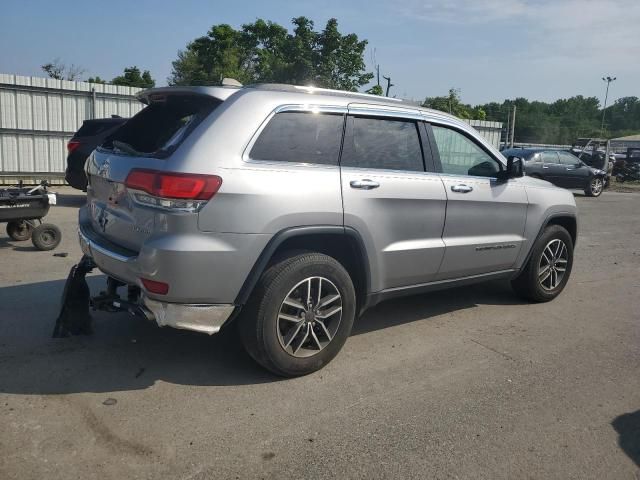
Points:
(301, 108)
(368, 110)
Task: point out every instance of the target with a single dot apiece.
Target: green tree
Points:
(96, 79)
(375, 90)
(264, 51)
(132, 78)
(452, 104)
(60, 71)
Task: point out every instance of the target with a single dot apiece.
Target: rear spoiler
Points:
(157, 94)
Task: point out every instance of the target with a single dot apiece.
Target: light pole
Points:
(606, 95)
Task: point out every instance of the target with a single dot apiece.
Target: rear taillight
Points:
(184, 191)
(159, 288)
(72, 145)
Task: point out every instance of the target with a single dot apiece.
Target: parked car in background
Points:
(293, 209)
(627, 166)
(91, 134)
(562, 169)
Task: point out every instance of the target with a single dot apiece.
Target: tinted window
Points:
(568, 159)
(549, 157)
(300, 138)
(384, 144)
(459, 155)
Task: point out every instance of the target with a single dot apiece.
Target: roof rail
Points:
(312, 89)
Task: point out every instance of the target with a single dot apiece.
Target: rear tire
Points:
(19, 230)
(288, 326)
(549, 267)
(46, 237)
(594, 187)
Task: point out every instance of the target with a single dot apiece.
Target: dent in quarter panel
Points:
(199, 267)
(267, 197)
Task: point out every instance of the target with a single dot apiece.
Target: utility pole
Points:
(508, 130)
(606, 96)
(513, 125)
(389, 84)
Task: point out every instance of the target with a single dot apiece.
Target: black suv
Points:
(561, 168)
(91, 134)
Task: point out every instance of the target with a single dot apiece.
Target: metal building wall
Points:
(38, 116)
(491, 131)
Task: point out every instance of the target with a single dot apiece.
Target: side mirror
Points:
(515, 168)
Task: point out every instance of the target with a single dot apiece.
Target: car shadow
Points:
(408, 309)
(628, 428)
(126, 353)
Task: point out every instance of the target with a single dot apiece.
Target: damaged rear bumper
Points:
(205, 318)
(199, 318)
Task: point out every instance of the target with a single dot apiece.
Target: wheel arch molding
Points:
(342, 243)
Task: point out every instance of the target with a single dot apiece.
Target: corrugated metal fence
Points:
(38, 116)
(491, 131)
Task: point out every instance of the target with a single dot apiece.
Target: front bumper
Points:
(206, 318)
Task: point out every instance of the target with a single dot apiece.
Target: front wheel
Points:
(595, 187)
(19, 230)
(46, 236)
(300, 314)
(549, 267)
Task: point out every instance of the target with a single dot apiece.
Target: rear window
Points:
(158, 129)
(300, 137)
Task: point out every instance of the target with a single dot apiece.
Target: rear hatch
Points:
(143, 145)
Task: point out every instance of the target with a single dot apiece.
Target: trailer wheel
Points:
(46, 236)
(19, 230)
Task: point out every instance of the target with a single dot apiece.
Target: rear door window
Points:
(300, 137)
(549, 157)
(158, 129)
(377, 143)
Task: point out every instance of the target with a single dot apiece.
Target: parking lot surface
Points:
(467, 383)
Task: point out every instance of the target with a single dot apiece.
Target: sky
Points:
(489, 49)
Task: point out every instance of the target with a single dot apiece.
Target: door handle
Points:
(544, 167)
(570, 168)
(461, 188)
(364, 184)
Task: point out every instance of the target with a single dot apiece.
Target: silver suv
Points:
(291, 210)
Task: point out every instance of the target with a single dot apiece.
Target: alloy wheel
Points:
(553, 264)
(596, 186)
(309, 317)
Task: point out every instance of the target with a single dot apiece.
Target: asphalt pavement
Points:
(467, 383)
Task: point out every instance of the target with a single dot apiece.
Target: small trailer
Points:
(23, 209)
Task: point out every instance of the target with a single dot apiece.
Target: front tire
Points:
(549, 267)
(595, 187)
(46, 236)
(300, 314)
